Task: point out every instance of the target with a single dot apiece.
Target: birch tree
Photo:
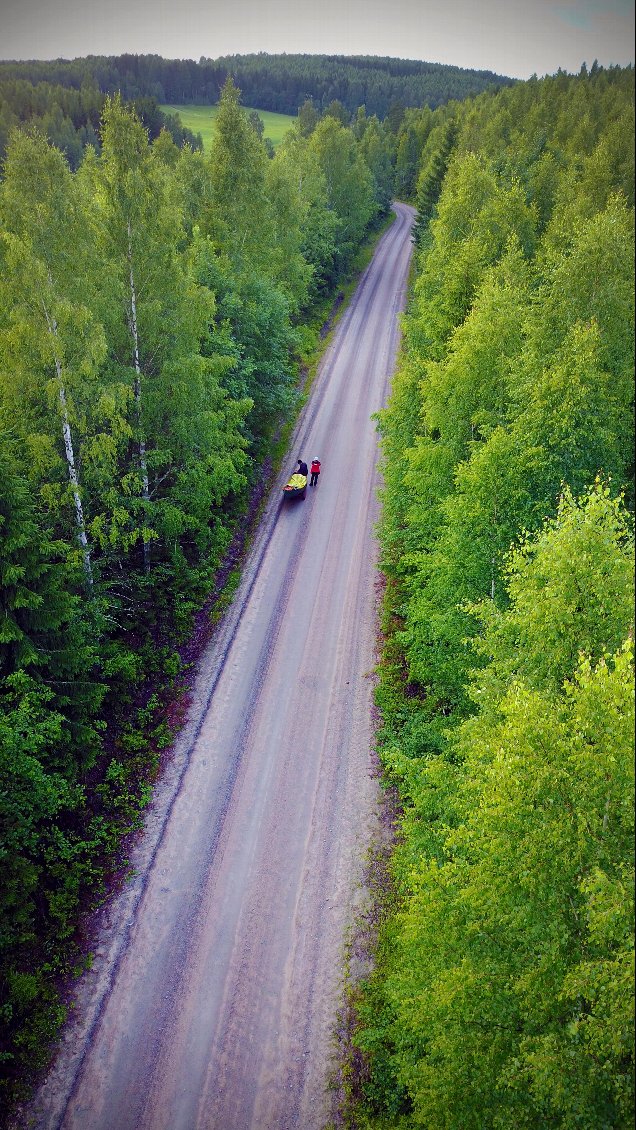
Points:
(52, 346)
(513, 965)
(318, 224)
(241, 212)
(348, 180)
(131, 228)
(256, 272)
(158, 320)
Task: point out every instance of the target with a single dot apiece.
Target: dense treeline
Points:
(503, 990)
(269, 82)
(70, 118)
(151, 325)
(283, 82)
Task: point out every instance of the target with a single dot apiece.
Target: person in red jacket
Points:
(315, 471)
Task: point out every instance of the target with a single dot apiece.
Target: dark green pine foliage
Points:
(69, 116)
(269, 82)
(46, 629)
(41, 622)
(50, 694)
(432, 178)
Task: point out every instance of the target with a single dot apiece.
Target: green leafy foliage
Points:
(149, 335)
(349, 183)
(508, 974)
(503, 989)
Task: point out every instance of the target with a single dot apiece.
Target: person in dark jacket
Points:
(302, 468)
(315, 471)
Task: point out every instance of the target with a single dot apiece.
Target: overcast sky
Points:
(512, 37)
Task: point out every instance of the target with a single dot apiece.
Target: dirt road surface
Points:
(218, 973)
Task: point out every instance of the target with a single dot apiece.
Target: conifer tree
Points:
(431, 179)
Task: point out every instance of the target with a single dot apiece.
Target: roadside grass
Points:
(200, 119)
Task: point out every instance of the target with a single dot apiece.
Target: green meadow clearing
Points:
(200, 119)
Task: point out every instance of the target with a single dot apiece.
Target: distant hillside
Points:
(280, 83)
(283, 82)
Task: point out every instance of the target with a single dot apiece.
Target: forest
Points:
(65, 98)
(503, 989)
(70, 118)
(268, 82)
(158, 307)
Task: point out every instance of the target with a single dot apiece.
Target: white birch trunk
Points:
(70, 458)
(145, 485)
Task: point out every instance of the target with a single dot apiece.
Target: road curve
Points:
(218, 971)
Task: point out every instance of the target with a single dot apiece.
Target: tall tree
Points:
(51, 338)
(376, 147)
(441, 143)
(253, 262)
(135, 223)
(241, 210)
(512, 962)
(348, 180)
(318, 224)
(157, 319)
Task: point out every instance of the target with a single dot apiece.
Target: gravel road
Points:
(218, 970)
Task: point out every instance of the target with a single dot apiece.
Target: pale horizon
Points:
(509, 37)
